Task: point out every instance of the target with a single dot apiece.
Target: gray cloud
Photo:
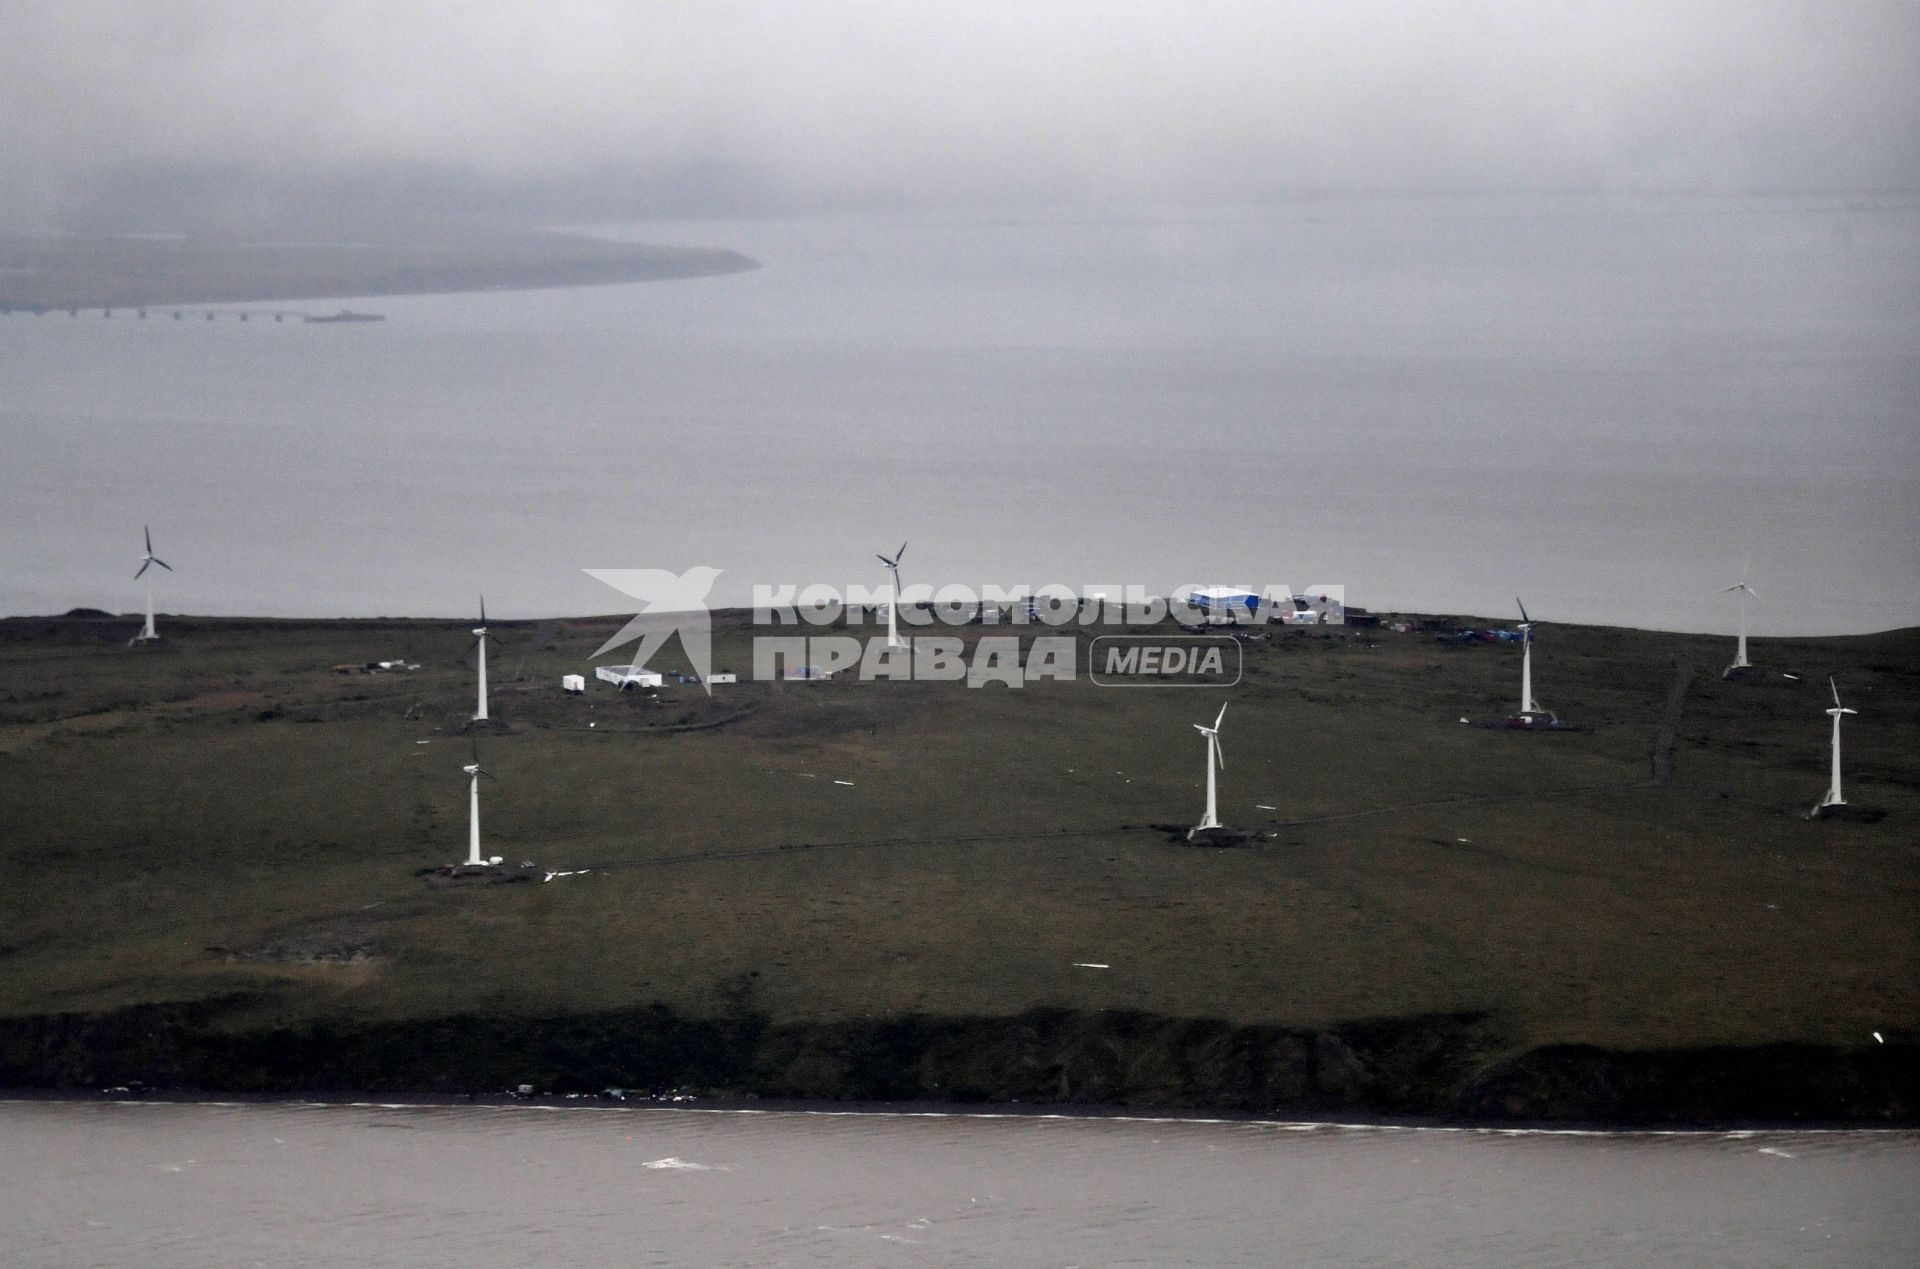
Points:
(684, 105)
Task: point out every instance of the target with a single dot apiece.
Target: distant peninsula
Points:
(56, 272)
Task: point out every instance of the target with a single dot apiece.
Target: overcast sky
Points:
(711, 106)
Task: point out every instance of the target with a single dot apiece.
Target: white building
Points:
(625, 676)
(573, 683)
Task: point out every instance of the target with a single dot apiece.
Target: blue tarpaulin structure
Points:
(1226, 602)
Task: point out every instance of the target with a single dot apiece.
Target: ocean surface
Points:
(1608, 406)
(160, 1185)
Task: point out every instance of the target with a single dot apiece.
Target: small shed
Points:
(573, 683)
(723, 678)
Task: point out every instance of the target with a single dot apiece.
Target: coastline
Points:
(379, 1099)
(1403, 1073)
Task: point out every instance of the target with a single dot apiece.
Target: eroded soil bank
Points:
(1452, 1068)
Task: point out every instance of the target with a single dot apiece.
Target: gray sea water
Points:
(1607, 406)
(159, 1186)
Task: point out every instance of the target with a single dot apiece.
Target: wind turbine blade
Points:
(1835, 690)
(483, 771)
(1219, 758)
(1223, 714)
(1736, 586)
(1201, 728)
(1523, 610)
(897, 555)
(884, 560)
(149, 532)
(144, 565)
(163, 564)
(1750, 590)
(483, 610)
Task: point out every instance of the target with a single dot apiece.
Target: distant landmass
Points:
(59, 271)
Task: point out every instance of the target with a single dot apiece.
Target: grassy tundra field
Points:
(224, 825)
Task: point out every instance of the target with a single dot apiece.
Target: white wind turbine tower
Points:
(474, 771)
(1528, 705)
(893, 605)
(1834, 796)
(1745, 592)
(480, 643)
(1214, 763)
(147, 561)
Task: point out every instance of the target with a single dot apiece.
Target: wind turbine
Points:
(1214, 763)
(1834, 796)
(1528, 705)
(1746, 592)
(480, 642)
(147, 561)
(893, 607)
(474, 771)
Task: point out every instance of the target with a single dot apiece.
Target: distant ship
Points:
(346, 315)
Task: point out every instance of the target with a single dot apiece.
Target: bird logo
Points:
(670, 603)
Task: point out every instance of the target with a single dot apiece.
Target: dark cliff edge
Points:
(1448, 1067)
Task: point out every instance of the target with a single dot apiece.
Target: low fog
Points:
(134, 115)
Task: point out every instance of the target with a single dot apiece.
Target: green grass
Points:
(229, 792)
